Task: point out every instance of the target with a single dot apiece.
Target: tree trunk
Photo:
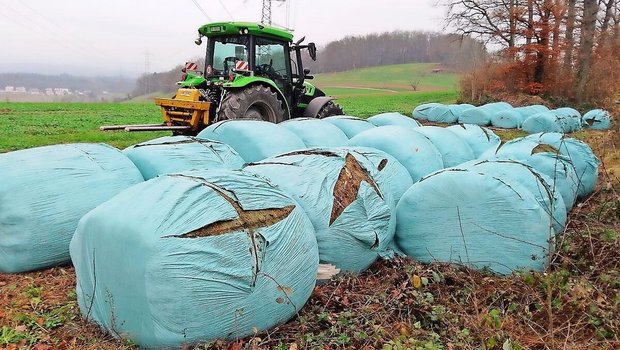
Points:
(570, 35)
(588, 30)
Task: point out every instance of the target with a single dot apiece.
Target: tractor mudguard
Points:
(242, 82)
(315, 106)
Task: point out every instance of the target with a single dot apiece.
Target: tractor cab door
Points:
(272, 61)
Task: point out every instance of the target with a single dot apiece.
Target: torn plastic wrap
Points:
(413, 150)
(476, 219)
(177, 153)
(385, 119)
(539, 184)
(476, 116)
(579, 153)
(506, 119)
(454, 150)
(351, 126)
(193, 257)
(349, 194)
(253, 139)
(316, 132)
(478, 138)
(597, 119)
(545, 159)
(45, 191)
(421, 112)
(442, 114)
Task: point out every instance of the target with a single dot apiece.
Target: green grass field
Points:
(362, 93)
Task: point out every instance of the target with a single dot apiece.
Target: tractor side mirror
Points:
(307, 74)
(312, 51)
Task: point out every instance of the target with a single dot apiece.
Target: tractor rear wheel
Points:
(329, 110)
(254, 102)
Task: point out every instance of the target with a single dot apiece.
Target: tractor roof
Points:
(236, 28)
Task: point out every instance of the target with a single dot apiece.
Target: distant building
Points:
(34, 92)
(9, 88)
(20, 89)
(49, 92)
(61, 91)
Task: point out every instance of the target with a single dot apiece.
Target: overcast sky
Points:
(113, 37)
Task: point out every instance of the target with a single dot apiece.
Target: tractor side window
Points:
(228, 50)
(272, 61)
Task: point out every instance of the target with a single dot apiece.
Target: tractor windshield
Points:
(226, 51)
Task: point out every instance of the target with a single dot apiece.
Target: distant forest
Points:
(95, 84)
(454, 52)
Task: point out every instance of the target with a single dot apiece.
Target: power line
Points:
(226, 9)
(202, 10)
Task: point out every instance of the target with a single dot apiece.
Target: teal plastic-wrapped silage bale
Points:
(393, 118)
(177, 153)
(421, 112)
(478, 138)
(545, 159)
(45, 191)
(528, 111)
(539, 184)
(349, 194)
(476, 116)
(316, 132)
(570, 118)
(469, 217)
(580, 154)
(254, 140)
(442, 114)
(544, 122)
(506, 119)
(597, 119)
(454, 150)
(496, 106)
(458, 109)
(413, 150)
(349, 125)
(193, 257)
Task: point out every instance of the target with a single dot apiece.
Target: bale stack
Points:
(350, 125)
(45, 191)
(349, 194)
(192, 257)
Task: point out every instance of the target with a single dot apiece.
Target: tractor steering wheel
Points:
(269, 71)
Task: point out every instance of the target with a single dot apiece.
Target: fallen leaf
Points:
(42, 347)
(416, 281)
(21, 329)
(293, 346)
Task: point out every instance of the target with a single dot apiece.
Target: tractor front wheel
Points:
(255, 102)
(329, 110)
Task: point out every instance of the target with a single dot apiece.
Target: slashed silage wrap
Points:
(454, 150)
(316, 132)
(421, 112)
(597, 119)
(191, 257)
(476, 219)
(349, 194)
(545, 159)
(254, 140)
(177, 153)
(528, 111)
(552, 121)
(580, 155)
(45, 191)
(412, 149)
(478, 138)
(539, 184)
(350, 125)
(393, 118)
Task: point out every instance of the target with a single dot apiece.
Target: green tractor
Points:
(252, 71)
